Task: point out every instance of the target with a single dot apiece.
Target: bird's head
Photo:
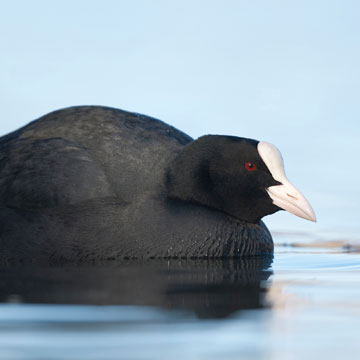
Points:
(242, 177)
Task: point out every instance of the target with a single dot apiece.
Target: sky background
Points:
(282, 71)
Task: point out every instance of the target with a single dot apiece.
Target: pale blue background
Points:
(282, 71)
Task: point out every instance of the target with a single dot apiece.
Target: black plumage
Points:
(87, 184)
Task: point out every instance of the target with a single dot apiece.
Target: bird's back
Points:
(81, 153)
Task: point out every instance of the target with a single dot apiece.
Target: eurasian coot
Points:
(88, 184)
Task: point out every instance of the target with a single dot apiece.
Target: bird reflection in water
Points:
(207, 288)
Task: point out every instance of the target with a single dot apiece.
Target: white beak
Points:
(285, 196)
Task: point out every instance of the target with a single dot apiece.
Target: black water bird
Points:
(87, 184)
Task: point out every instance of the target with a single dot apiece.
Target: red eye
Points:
(250, 166)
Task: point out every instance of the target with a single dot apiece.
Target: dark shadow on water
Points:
(207, 288)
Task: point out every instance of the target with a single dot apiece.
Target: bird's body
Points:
(87, 184)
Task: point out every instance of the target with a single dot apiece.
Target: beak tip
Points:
(310, 216)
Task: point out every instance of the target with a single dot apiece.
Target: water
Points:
(304, 303)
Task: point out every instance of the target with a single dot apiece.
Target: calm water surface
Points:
(304, 303)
